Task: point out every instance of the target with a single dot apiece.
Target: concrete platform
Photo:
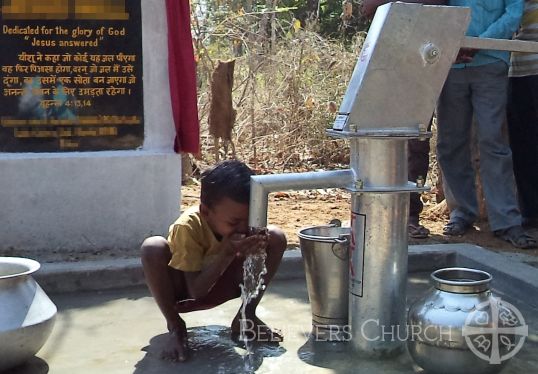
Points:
(122, 331)
(520, 279)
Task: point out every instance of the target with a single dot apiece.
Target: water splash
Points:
(253, 271)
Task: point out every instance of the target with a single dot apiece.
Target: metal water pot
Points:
(454, 328)
(27, 314)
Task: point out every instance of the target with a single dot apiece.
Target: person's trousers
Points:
(523, 131)
(481, 91)
(418, 157)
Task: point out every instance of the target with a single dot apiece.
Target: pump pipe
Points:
(262, 185)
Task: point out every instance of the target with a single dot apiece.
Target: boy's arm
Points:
(199, 283)
(369, 6)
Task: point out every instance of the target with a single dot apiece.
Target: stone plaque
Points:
(71, 77)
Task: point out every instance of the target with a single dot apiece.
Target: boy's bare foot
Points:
(176, 347)
(255, 330)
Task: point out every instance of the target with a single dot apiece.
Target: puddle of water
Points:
(213, 351)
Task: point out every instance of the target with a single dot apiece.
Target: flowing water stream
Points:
(253, 271)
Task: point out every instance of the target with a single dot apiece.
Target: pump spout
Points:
(262, 185)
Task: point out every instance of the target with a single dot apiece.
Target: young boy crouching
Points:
(200, 265)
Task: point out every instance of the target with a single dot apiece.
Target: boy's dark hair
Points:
(229, 178)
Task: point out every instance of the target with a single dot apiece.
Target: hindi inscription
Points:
(71, 75)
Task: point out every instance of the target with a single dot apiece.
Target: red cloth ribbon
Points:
(182, 76)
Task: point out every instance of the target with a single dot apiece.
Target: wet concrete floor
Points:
(122, 331)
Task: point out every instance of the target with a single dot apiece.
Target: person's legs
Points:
(418, 162)
(167, 286)
(489, 100)
(489, 86)
(226, 288)
(257, 328)
(531, 192)
(522, 113)
(454, 118)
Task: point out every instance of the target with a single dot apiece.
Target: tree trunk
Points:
(186, 168)
(439, 190)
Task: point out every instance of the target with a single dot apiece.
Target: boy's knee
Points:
(277, 239)
(155, 247)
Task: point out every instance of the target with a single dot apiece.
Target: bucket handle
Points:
(339, 246)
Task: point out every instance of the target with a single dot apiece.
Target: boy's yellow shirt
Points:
(192, 243)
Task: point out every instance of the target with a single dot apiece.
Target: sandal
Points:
(456, 227)
(516, 236)
(417, 231)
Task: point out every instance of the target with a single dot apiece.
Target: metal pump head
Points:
(401, 69)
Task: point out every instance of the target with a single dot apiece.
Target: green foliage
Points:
(324, 16)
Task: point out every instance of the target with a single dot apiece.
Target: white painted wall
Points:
(100, 200)
(159, 128)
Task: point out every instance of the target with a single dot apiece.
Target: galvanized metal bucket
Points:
(325, 251)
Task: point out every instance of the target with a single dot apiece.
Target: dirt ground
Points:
(295, 210)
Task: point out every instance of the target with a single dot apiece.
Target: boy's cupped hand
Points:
(255, 242)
